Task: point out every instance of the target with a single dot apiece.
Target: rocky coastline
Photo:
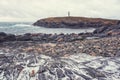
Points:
(104, 31)
(41, 37)
(84, 56)
(75, 22)
(88, 59)
(96, 43)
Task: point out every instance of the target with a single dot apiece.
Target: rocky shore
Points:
(92, 59)
(41, 37)
(105, 31)
(106, 47)
(59, 57)
(84, 56)
(32, 66)
(75, 22)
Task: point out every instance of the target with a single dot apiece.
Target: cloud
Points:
(31, 10)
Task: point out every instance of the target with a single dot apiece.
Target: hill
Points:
(74, 22)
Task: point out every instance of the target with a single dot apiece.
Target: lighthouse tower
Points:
(68, 13)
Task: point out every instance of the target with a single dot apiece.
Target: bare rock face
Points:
(74, 22)
(74, 67)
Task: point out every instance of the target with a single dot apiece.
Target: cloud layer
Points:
(31, 10)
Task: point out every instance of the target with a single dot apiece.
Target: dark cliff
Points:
(75, 22)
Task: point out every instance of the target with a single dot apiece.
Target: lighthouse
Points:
(68, 13)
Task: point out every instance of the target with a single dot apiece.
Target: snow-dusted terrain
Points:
(28, 66)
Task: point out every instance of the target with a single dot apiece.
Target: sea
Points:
(19, 28)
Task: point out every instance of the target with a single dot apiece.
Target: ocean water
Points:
(27, 27)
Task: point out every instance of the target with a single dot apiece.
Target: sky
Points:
(32, 10)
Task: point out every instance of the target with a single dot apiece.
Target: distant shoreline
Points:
(74, 22)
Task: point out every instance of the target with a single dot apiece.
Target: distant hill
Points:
(75, 22)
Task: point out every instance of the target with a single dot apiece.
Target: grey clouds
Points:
(31, 10)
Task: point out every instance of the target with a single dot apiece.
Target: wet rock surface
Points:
(87, 59)
(73, 67)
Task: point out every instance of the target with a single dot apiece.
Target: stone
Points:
(68, 73)
(3, 34)
(52, 71)
(23, 38)
(10, 37)
(94, 73)
(42, 77)
(42, 69)
(83, 76)
(60, 73)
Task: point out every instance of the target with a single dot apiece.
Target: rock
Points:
(19, 67)
(56, 65)
(68, 73)
(113, 33)
(113, 30)
(23, 38)
(42, 69)
(10, 37)
(60, 73)
(3, 34)
(2, 56)
(94, 73)
(41, 37)
(7, 37)
(42, 77)
(74, 67)
(83, 76)
(52, 71)
(100, 30)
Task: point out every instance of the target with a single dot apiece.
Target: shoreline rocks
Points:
(108, 30)
(106, 47)
(44, 37)
(7, 37)
(61, 56)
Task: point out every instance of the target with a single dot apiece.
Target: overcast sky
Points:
(32, 10)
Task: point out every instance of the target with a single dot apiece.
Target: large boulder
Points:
(2, 36)
(10, 37)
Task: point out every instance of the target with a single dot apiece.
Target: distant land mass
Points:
(75, 22)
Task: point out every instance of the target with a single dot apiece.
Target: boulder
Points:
(10, 37)
(7, 37)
